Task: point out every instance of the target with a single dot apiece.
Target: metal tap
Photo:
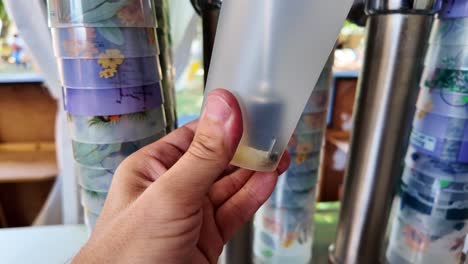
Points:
(397, 32)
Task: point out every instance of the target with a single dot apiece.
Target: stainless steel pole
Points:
(397, 32)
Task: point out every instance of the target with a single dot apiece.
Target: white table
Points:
(38, 245)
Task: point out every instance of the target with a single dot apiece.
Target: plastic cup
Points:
(106, 102)
(87, 42)
(93, 201)
(443, 102)
(108, 156)
(442, 148)
(454, 9)
(292, 199)
(112, 70)
(418, 239)
(90, 218)
(93, 179)
(436, 168)
(441, 126)
(427, 183)
(271, 59)
(433, 191)
(449, 32)
(311, 123)
(305, 144)
(116, 128)
(101, 13)
(447, 56)
(451, 80)
(298, 182)
(283, 235)
(455, 210)
(318, 102)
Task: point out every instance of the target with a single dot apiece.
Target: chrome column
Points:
(397, 32)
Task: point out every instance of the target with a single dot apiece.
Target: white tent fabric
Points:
(30, 17)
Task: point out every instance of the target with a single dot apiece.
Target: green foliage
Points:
(3, 13)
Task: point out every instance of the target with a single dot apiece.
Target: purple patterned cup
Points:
(454, 9)
(443, 102)
(441, 126)
(445, 149)
(109, 102)
(112, 70)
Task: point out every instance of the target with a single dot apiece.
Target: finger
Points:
(210, 242)
(167, 150)
(230, 169)
(241, 207)
(228, 186)
(216, 139)
(145, 166)
(231, 184)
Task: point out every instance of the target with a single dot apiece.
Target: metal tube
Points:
(424, 7)
(383, 112)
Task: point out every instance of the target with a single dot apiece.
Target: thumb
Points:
(216, 139)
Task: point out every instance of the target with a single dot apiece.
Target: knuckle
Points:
(207, 147)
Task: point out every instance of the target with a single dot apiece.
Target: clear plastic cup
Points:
(93, 201)
(116, 128)
(90, 219)
(101, 13)
(283, 235)
(417, 239)
(91, 42)
(269, 54)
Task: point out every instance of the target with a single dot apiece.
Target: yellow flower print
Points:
(301, 158)
(289, 240)
(304, 148)
(421, 114)
(111, 59)
(426, 108)
(108, 73)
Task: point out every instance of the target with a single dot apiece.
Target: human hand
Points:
(178, 200)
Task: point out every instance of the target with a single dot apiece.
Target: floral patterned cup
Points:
(110, 70)
(101, 13)
(88, 42)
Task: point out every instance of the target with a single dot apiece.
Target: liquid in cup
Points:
(269, 54)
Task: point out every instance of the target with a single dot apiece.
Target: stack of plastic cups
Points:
(432, 221)
(284, 225)
(107, 53)
(168, 72)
